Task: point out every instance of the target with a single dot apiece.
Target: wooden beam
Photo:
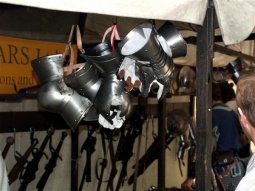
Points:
(230, 52)
(218, 38)
(22, 121)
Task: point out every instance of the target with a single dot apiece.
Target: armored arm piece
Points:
(187, 143)
(54, 95)
(192, 140)
(95, 84)
(145, 44)
(192, 153)
(181, 149)
(111, 101)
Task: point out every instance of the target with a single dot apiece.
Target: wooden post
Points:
(205, 42)
(161, 142)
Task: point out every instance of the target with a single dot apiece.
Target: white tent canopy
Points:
(235, 24)
(236, 17)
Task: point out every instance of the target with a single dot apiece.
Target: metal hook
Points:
(32, 132)
(114, 20)
(14, 145)
(153, 132)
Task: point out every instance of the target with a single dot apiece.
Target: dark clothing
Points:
(226, 128)
(226, 162)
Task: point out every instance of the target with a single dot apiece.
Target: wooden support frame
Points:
(230, 52)
(205, 44)
(161, 142)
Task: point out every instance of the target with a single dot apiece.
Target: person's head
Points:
(228, 92)
(245, 99)
(216, 93)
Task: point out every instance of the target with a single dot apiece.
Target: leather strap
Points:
(69, 51)
(79, 40)
(114, 35)
(228, 169)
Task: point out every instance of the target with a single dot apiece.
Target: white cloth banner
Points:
(236, 17)
(189, 11)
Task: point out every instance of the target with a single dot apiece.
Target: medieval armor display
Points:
(111, 70)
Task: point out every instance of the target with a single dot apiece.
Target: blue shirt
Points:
(226, 128)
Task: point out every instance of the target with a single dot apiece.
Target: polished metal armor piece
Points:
(49, 68)
(142, 44)
(56, 97)
(111, 95)
(85, 81)
(147, 76)
(235, 68)
(176, 44)
(187, 80)
(102, 57)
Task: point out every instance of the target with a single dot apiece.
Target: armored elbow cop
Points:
(54, 95)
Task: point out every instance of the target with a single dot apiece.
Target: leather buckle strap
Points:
(228, 169)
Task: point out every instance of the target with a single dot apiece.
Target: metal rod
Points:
(75, 134)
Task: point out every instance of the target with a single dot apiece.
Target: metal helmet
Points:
(186, 80)
(177, 122)
(235, 67)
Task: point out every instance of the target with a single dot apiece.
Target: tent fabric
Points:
(152, 9)
(236, 17)
(97, 24)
